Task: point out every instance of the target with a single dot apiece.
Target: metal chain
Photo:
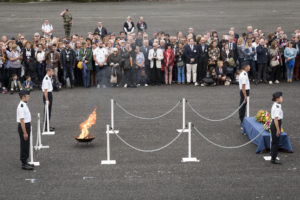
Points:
(148, 118)
(215, 120)
(149, 151)
(228, 147)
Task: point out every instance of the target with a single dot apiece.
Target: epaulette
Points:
(21, 105)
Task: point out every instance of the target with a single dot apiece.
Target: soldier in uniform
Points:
(68, 21)
(277, 116)
(47, 89)
(24, 129)
(244, 85)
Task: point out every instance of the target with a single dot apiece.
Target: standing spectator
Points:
(141, 25)
(275, 63)
(213, 54)
(128, 26)
(29, 61)
(68, 22)
(155, 56)
(232, 47)
(100, 58)
(297, 60)
(140, 64)
(240, 52)
(128, 63)
(180, 64)
(249, 53)
(114, 61)
(100, 30)
(77, 72)
(47, 29)
(86, 57)
(145, 50)
(262, 61)
(40, 63)
(203, 60)
(290, 54)
(168, 63)
(15, 61)
(67, 63)
(227, 57)
(191, 55)
(52, 58)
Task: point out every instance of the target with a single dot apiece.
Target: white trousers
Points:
(191, 68)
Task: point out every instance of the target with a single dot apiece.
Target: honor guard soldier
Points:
(244, 84)
(47, 89)
(24, 129)
(277, 116)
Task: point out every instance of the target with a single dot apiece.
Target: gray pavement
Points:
(73, 171)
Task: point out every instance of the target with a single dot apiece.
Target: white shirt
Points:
(47, 28)
(276, 111)
(255, 45)
(47, 84)
(23, 112)
(100, 54)
(40, 56)
(243, 79)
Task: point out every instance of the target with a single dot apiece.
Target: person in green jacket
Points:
(86, 56)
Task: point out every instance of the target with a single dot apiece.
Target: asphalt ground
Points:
(168, 16)
(73, 171)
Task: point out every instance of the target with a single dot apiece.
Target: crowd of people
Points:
(133, 58)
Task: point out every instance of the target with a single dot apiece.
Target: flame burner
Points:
(85, 140)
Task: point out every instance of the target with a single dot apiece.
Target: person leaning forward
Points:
(244, 85)
(24, 129)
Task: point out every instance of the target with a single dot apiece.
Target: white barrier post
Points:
(31, 151)
(248, 106)
(190, 158)
(108, 161)
(48, 132)
(39, 144)
(184, 129)
(112, 114)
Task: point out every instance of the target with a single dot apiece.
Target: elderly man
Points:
(100, 30)
(155, 56)
(191, 52)
(141, 25)
(203, 60)
(47, 29)
(262, 60)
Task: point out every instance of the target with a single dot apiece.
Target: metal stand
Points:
(108, 161)
(184, 129)
(31, 151)
(268, 158)
(39, 144)
(248, 106)
(48, 132)
(190, 158)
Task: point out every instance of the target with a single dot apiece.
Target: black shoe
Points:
(275, 161)
(30, 164)
(27, 167)
(52, 129)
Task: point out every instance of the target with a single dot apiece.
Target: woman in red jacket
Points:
(168, 63)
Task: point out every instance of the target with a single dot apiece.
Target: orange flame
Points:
(84, 126)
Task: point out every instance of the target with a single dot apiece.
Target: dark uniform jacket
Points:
(64, 60)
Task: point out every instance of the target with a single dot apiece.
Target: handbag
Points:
(274, 63)
(113, 76)
(231, 62)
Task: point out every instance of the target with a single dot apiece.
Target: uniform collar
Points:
(23, 102)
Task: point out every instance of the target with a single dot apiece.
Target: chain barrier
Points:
(153, 150)
(148, 118)
(227, 147)
(215, 120)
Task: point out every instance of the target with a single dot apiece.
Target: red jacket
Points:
(171, 57)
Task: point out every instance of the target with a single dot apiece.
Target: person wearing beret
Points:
(277, 116)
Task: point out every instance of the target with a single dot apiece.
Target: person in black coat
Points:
(203, 60)
(141, 25)
(29, 62)
(191, 54)
(262, 60)
(67, 62)
(100, 30)
(128, 26)
(220, 73)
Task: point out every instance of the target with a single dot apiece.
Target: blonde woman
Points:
(249, 53)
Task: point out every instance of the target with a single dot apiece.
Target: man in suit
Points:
(203, 60)
(145, 50)
(191, 54)
(100, 30)
(232, 47)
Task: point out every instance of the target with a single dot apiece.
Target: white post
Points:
(248, 106)
(39, 144)
(190, 158)
(184, 129)
(108, 161)
(31, 151)
(112, 114)
(48, 132)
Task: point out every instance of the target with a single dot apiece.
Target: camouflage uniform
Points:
(67, 24)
